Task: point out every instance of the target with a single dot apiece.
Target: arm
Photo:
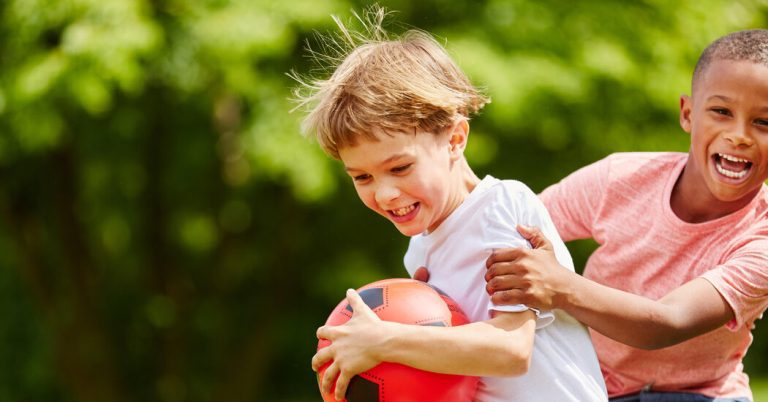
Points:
(501, 346)
(533, 277)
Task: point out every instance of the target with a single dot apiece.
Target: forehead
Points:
(383, 148)
(733, 79)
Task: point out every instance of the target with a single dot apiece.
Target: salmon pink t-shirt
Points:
(623, 203)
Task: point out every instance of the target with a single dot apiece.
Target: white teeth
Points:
(733, 175)
(730, 170)
(403, 211)
(732, 158)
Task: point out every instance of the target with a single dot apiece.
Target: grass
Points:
(759, 387)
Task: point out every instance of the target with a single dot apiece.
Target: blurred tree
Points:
(168, 236)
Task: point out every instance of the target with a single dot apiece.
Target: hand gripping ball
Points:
(410, 302)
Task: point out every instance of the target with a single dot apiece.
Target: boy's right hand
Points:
(352, 348)
(532, 277)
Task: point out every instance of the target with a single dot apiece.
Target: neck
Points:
(465, 181)
(468, 177)
(693, 203)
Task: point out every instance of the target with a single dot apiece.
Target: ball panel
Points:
(373, 297)
(363, 390)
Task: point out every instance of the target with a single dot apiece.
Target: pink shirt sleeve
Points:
(574, 202)
(742, 279)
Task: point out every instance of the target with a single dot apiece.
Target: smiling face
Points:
(727, 117)
(414, 180)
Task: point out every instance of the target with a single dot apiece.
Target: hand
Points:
(351, 349)
(532, 277)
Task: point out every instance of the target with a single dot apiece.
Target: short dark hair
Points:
(749, 45)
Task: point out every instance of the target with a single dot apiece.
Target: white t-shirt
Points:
(564, 366)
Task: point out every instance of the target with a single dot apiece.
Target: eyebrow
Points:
(720, 97)
(727, 99)
(384, 162)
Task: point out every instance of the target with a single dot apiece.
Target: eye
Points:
(401, 168)
(361, 178)
(721, 111)
(761, 122)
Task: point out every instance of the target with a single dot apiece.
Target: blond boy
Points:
(396, 113)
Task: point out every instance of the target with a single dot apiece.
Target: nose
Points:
(739, 138)
(386, 192)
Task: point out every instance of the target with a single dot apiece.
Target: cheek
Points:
(367, 197)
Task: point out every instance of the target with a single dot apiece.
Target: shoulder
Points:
(515, 203)
(511, 201)
(510, 198)
(507, 191)
(757, 231)
(637, 169)
(624, 167)
(630, 162)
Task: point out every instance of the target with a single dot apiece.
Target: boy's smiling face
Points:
(727, 117)
(410, 179)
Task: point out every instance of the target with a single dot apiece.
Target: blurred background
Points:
(166, 234)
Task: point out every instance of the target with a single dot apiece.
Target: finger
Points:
(421, 274)
(502, 268)
(534, 236)
(322, 356)
(504, 282)
(329, 377)
(325, 332)
(507, 297)
(341, 386)
(503, 255)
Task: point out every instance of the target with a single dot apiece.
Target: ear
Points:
(686, 106)
(458, 138)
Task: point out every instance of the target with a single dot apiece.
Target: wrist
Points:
(388, 342)
(567, 296)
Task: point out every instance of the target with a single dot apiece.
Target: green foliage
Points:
(167, 234)
(759, 388)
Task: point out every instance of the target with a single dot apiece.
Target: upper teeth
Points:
(403, 211)
(732, 158)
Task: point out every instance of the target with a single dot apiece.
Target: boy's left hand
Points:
(352, 348)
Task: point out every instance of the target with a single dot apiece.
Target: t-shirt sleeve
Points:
(742, 279)
(575, 201)
(517, 204)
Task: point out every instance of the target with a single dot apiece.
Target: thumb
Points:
(421, 274)
(357, 303)
(535, 237)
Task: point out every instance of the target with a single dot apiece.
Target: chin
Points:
(409, 231)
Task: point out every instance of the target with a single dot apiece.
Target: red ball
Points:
(409, 302)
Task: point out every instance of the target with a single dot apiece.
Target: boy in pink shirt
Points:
(681, 272)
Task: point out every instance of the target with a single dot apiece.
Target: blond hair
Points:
(383, 85)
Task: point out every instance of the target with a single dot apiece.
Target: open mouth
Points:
(731, 166)
(404, 213)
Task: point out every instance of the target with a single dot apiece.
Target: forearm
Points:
(479, 349)
(686, 312)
